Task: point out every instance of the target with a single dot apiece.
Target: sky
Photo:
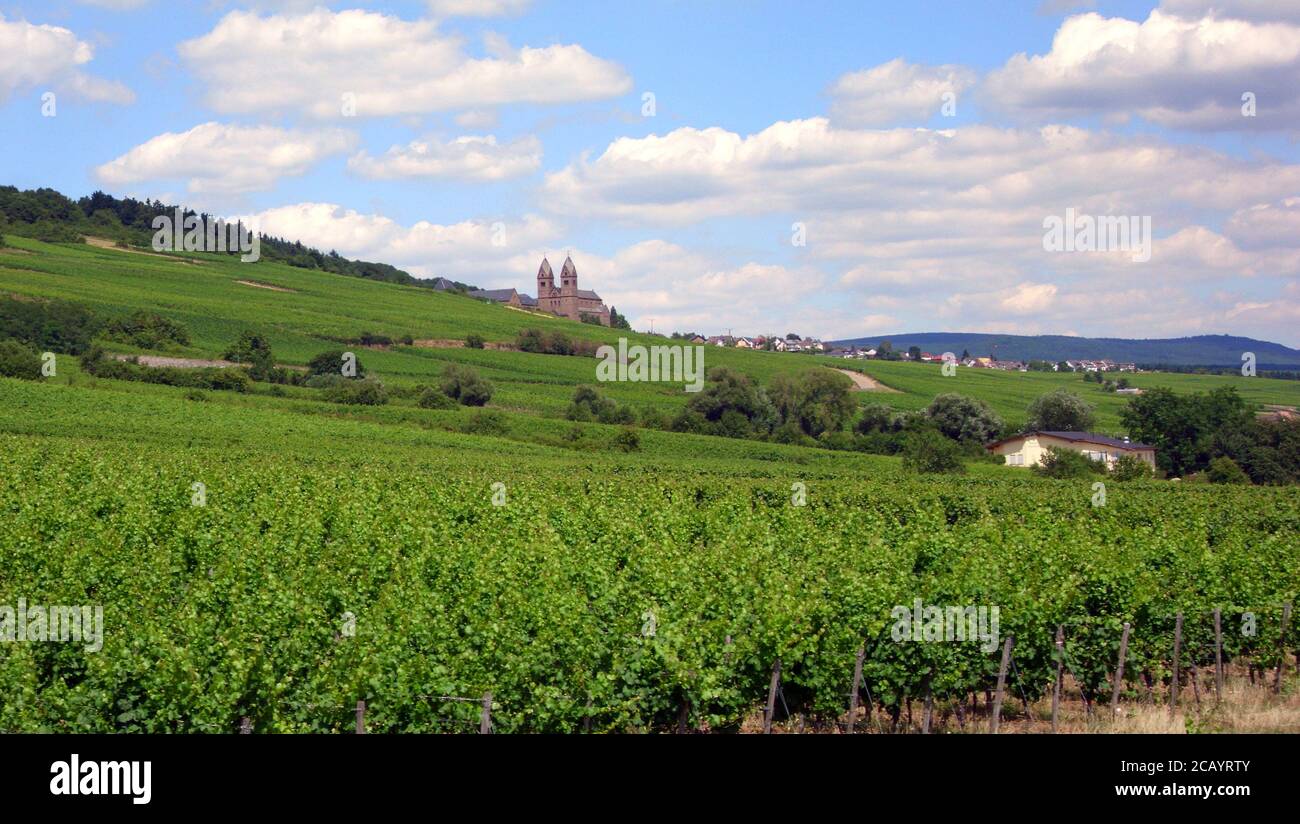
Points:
(833, 169)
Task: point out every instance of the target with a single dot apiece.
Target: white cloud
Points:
(476, 8)
(477, 119)
(307, 62)
(896, 92)
(464, 158)
(1255, 10)
(226, 159)
(42, 55)
(1174, 71)
(115, 5)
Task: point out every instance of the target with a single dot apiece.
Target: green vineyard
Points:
(283, 590)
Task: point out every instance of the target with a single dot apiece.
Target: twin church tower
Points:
(567, 299)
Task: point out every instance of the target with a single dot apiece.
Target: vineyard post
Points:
(1178, 650)
(1002, 683)
(361, 717)
(857, 685)
(1281, 647)
(485, 715)
(771, 697)
(1218, 654)
(245, 726)
(1060, 667)
(929, 708)
(1119, 669)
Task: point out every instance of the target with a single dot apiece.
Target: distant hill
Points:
(1200, 350)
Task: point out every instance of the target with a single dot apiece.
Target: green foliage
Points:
(19, 361)
(487, 422)
(147, 330)
(431, 398)
(48, 326)
(474, 341)
(1224, 470)
(331, 363)
(627, 440)
(816, 400)
(542, 342)
(464, 385)
(1060, 411)
(590, 405)
(360, 393)
(617, 321)
(1067, 463)
(1130, 468)
(964, 419)
(95, 362)
(929, 452)
(726, 390)
(1184, 428)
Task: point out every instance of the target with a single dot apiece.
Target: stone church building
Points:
(565, 299)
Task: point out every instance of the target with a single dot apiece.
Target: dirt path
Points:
(178, 363)
(105, 243)
(865, 383)
(446, 343)
(257, 285)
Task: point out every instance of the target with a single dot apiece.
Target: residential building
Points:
(1028, 448)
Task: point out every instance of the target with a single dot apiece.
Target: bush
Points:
(147, 330)
(331, 363)
(487, 422)
(431, 398)
(1060, 411)
(628, 440)
(964, 419)
(361, 393)
(1066, 463)
(817, 400)
(463, 384)
(48, 326)
(588, 405)
(1130, 468)
(250, 348)
(726, 390)
(552, 343)
(1224, 470)
(371, 339)
(94, 362)
(196, 395)
(927, 451)
(407, 340)
(49, 231)
(474, 341)
(19, 361)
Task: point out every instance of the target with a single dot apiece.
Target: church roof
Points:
(568, 268)
(587, 293)
(498, 295)
(545, 269)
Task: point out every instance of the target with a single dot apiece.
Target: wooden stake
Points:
(1119, 670)
(929, 710)
(1178, 651)
(1281, 647)
(857, 685)
(361, 717)
(771, 697)
(1218, 654)
(1060, 673)
(485, 715)
(1002, 683)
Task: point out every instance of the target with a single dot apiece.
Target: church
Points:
(565, 300)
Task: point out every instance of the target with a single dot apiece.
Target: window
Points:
(1016, 459)
(1096, 456)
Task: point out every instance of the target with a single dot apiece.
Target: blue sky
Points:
(489, 132)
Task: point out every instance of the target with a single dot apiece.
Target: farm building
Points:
(1028, 448)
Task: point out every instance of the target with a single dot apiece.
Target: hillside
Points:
(1201, 350)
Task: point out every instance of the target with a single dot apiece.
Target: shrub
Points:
(487, 422)
(250, 348)
(361, 393)
(1224, 470)
(431, 398)
(19, 361)
(1060, 411)
(196, 395)
(628, 440)
(1130, 468)
(474, 341)
(964, 419)
(552, 343)
(147, 330)
(1066, 463)
(407, 340)
(726, 390)
(927, 451)
(588, 404)
(817, 400)
(464, 385)
(331, 363)
(48, 326)
(371, 339)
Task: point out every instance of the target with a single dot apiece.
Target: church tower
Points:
(569, 289)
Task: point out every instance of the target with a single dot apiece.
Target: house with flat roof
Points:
(1028, 448)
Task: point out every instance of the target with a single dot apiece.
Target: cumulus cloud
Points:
(464, 158)
(1174, 71)
(1259, 11)
(41, 55)
(307, 63)
(896, 92)
(226, 159)
(476, 8)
